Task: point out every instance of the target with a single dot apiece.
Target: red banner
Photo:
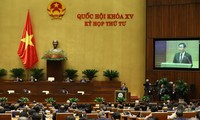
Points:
(27, 49)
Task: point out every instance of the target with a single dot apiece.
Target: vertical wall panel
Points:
(172, 19)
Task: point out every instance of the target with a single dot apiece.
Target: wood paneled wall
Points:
(172, 19)
(105, 89)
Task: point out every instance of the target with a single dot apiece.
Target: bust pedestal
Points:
(55, 68)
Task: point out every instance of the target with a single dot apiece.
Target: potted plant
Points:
(17, 73)
(165, 97)
(145, 98)
(73, 100)
(99, 99)
(163, 81)
(71, 74)
(90, 73)
(3, 99)
(3, 72)
(181, 89)
(121, 99)
(111, 74)
(37, 73)
(49, 100)
(23, 99)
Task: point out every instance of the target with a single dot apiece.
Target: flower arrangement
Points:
(3, 99)
(145, 98)
(24, 99)
(55, 54)
(121, 99)
(165, 97)
(73, 100)
(49, 100)
(99, 99)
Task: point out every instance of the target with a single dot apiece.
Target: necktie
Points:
(180, 59)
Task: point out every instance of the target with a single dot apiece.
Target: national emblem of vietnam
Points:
(56, 9)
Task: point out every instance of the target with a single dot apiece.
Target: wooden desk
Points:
(97, 88)
(4, 116)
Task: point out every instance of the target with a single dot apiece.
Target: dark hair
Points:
(184, 45)
(88, 110)
(23, 114)
(116, 115)
(144, 108)
(36, 116)
(101, 114)
(115, 105)
(36, 108)
(62, 109)
(132, 104)
(121, 106)
(179, 113)
(137, 108)
(154, 108)
(198, 115)
(180, 107)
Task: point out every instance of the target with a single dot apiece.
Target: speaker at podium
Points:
(120, 93)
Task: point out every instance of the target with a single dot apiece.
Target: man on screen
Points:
(182, 56)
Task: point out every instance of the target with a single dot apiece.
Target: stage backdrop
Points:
(104, 34)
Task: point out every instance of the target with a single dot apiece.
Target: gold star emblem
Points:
(27, 40)
(56, 5)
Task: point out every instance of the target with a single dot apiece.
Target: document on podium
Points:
(175, 65)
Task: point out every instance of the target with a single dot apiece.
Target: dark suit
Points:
(124, 88)
(187, 58)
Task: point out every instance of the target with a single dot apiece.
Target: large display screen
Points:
(176, 53)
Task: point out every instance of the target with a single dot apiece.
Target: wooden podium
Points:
(55, 68)
(120, 93)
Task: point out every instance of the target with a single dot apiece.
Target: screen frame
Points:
(174, 39)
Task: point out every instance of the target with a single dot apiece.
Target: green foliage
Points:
(164, 81)
(73, 100)
(111, 74)
(3, 72)
(90, 73)
(17, 72)
(70, 73)
(182, 89)
(121, 99)
(99, 99)
(3, 99)
(24, 99)
(37, 73)
(165, 97)
(49, 100)
(145, 98)
(54, 55)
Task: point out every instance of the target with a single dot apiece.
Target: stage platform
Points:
(91, 90)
